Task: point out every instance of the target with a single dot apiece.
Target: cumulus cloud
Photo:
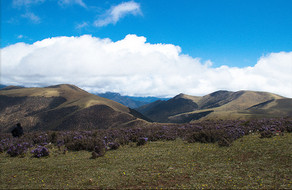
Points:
(115, 13)
(134, 67)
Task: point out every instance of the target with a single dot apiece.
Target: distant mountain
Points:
(147, 99)
(218, 105)
(10, 87)
(62, 107)
(2, 86)
(129, 101)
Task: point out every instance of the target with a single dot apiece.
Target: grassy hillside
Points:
(251, 163)
(159, 111)
(219, 105)
(60, 107)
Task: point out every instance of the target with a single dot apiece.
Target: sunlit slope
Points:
(223, 105)
(61, 107)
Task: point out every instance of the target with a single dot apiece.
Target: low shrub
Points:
(266, 134)
(225, 142)
(18, 149)
(204, 136)
(142, 141)
(40, 151)
(113, 146)
(53, 137)
(289, 128)
(1, 148)
(99, 151)
(84, 144)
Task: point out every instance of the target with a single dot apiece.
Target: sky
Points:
(148, 47)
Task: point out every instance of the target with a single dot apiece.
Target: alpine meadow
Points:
(145, 94)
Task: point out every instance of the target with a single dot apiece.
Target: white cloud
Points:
(115, 13)
(32, 17)
(81, 25)
(26, 3)
(70, 2)
(134, 67)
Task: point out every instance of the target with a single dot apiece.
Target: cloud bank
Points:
(115, 13)
(132, 66)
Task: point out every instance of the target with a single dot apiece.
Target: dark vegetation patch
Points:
(95, 117)
(52, 102)
(6, 101)
(261, 104)
(139, 115)
(52, 119)
(27, 110)
(99, 141)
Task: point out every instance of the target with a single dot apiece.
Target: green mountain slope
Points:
(219, 105)
(159, 111)
(61, 107)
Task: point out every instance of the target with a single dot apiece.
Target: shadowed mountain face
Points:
(2, 86)
(218, 105)
(122, 99)
(129, 101)
(159, 111)
(61, 107)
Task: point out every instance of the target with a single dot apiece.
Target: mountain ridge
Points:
(67, 107)
(221, 105)
(129, 101)
(62, 107)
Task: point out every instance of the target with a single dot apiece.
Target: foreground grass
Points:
(250, 163)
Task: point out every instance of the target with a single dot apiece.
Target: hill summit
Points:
(218, 105)
(62, 107)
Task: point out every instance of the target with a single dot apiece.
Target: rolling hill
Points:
(62, 107)
(218, 105)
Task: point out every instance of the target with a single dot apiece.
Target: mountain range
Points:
(67, 107)
(218, 105)
(130, 101)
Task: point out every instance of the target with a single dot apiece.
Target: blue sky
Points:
(230, 32)
(235, 33)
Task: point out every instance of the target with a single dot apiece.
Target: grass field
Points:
(250, 163)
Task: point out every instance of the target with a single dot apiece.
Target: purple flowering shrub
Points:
(82, 142)
(18, 149)
(40, 151)
(223, 132)
(5, 144)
